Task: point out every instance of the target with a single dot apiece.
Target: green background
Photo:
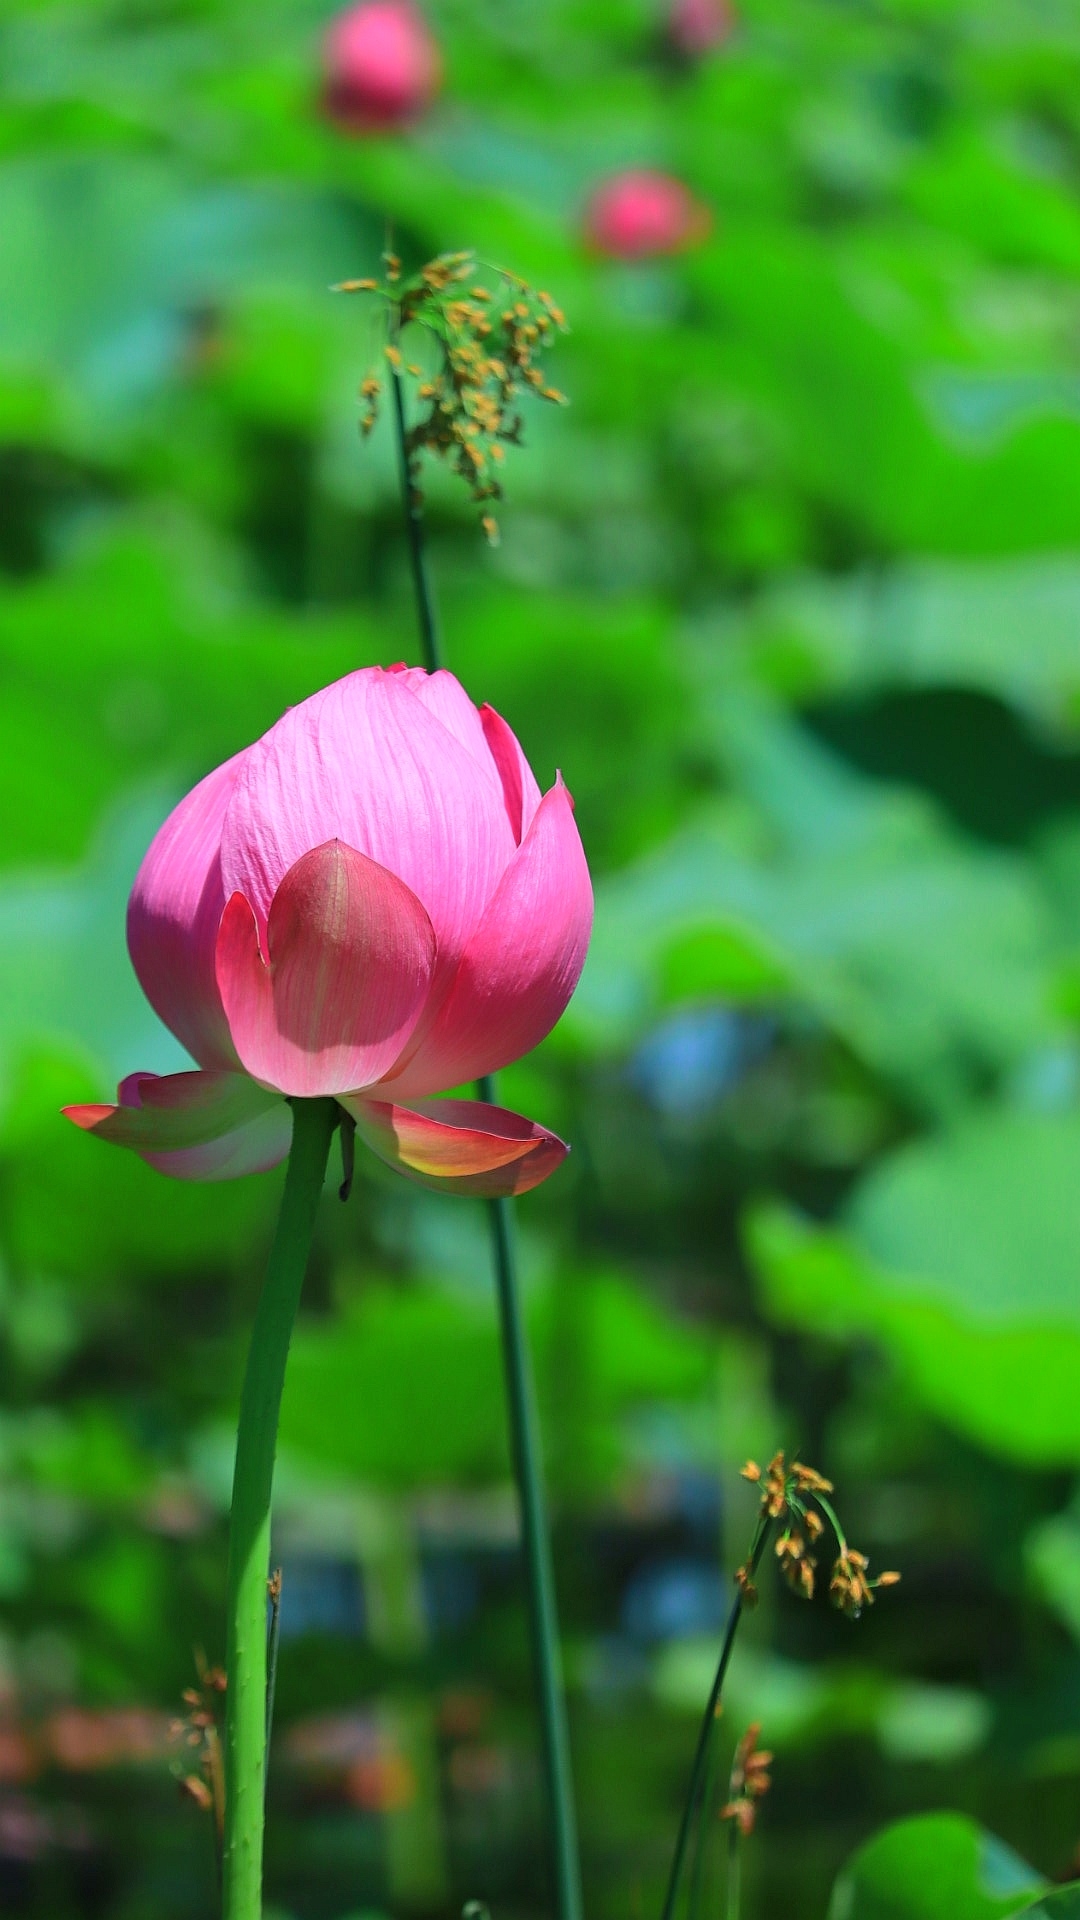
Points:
(791, 594)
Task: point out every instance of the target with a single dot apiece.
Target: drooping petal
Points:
(194, 1126)
(366, 761)
(521, 793)
(458, 1146)
(173, 916)
(350, 958)
(520, 966)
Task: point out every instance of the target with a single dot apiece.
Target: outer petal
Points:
(195, 1126)
(521, 793)
(173, 917)
(458, 1146)
(520, 966)
(351, 953)
(367, 762)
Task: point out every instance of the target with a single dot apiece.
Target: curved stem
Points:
(249, 1532)
(701, 1753)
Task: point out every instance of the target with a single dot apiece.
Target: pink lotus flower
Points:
(638, 214)
(696, 26)
(381, 66)
(375, 903)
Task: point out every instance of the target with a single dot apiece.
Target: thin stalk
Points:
(524, 1435)
(539, 1569)
(701, 1753)
(249, 1534)
(414, 531)
(701, 1838)
(273, 1644)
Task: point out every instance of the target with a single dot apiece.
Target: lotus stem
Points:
(521, 1405)
(249, 1530)
(539, 1569)
(701, 1753)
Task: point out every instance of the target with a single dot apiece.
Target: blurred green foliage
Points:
(791, 594)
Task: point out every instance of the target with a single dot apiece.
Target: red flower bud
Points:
(381, 66)
(638, 214)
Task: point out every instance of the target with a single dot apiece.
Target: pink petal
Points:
(194, 1126)
(445, 697)
(367, 762)
(520, 791)
(351, 953)
(458, 1146)
(520, 966)
(173, 917)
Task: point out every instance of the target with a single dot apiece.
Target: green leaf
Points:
(1010, 1385)
(938, 1866)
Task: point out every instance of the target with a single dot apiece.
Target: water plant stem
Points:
(701, 1754)
(539, 1569)
(521, 1404)
(701, 1839)
(249, 1531)
(414, 533)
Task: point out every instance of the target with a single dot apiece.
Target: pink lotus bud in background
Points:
(638, 214)
(375, 903)
(381, 66)
(695, 27)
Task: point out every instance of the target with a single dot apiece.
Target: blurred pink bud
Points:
(381, 65)
(696, 26)
(375, 903)
(638, 214)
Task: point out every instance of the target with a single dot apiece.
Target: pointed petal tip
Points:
(89, 1115)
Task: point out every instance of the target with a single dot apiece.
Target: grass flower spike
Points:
(373, 903)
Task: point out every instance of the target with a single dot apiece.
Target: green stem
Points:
(414, 531)
(701, 1754)
(701, 1839)
(249, 1535)
(524, 1438)
(539, 1570)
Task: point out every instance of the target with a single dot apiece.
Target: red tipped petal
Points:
(520, 965)
(458, 1146)
(351, 956)
(194, 1126)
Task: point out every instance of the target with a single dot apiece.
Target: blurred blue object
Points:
(692, 1059)
(672, 1599)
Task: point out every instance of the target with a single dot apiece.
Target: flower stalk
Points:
(539, 1569)
(521, 1402)
(249, 1531)
(701, 1753)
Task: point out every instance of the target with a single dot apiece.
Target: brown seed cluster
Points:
(749, 1781)
(488, 343)
(200, 1769)
(796, 1496)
